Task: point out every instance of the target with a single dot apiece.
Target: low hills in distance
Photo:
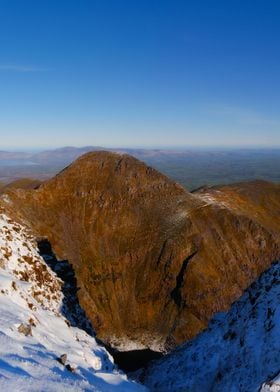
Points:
(192, 168)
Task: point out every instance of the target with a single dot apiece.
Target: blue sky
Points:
(139, 73)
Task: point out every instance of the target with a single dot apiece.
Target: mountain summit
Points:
(153, 261)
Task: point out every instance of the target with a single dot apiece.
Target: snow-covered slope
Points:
(33, 332)
(237, 353)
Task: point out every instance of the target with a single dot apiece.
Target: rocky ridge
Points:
(153, 261)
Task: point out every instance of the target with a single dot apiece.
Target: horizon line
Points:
(138, 147)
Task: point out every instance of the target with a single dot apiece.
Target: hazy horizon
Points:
(153, 147)
(192, 167)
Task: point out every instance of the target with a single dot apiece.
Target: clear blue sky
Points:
(139, 73)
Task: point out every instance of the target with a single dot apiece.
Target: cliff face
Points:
(153, 261)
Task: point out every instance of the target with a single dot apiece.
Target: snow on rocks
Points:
(238, 352)
(272, 386)
(35, 282)
(213, 198)
(33, 332)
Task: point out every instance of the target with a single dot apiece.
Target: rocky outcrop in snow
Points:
(272, 386)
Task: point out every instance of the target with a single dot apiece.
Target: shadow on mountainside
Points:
(71, 308)
(128, 361)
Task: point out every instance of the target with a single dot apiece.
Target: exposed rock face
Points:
(153, 261)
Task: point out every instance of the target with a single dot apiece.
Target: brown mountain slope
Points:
(153, 261)
(22, 183)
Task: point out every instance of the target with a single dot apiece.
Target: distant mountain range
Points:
(68, 154)
(192, 168)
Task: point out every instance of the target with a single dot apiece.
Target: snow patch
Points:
(151, 342)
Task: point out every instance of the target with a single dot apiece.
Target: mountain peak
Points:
(153, 261)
